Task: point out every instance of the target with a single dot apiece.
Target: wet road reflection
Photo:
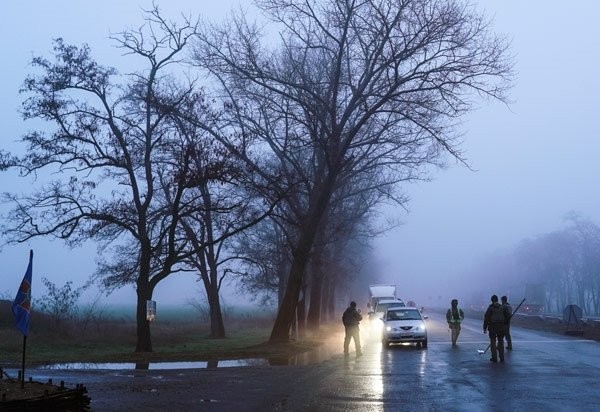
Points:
(443, 377)
(211, 364)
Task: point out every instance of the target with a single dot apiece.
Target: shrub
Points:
(61, 304)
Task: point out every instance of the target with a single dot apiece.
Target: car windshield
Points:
(383, 306)
(403, 314)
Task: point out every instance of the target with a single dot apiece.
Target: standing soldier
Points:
(454, 316)
(351, 318)
(495, 320)
(508, 307)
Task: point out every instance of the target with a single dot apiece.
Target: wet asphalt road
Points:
(544, 372)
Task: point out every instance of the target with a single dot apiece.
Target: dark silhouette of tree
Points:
(264, 261)
(353, 88)
(220, 210)
(348, 222)
(110, 155)
(222, 199)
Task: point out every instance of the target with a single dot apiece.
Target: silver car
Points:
(384, 304)
(378, 313)
(404, 324)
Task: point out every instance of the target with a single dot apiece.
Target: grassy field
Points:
(112, 339)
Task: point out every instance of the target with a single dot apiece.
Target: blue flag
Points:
(21, 307)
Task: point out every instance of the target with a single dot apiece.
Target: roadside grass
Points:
(191, 346)
(108, 340)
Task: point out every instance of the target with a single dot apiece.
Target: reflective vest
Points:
(452, 318)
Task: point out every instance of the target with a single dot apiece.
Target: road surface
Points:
(544, 372)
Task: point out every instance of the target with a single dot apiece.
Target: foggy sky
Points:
(535, 160)
(532, 161)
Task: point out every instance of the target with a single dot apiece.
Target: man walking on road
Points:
(351, 319)
(495, 320)
(508, 307)
(454, 316)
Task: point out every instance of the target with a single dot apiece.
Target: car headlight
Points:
(388, 328)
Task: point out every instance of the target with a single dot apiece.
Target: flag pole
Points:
(23, 363)
(25, 335)
(21, 308)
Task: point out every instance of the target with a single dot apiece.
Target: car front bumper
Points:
(405, 336)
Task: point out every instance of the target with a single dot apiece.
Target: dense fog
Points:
(533, 165)
(526, 194)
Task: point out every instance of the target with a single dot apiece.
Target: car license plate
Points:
(405, 335)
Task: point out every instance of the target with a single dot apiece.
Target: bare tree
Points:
(565, 261)
(108, 152)
(586, 235)
(221, 201)
(362, 86)
(220, 215)
(348, 220)
(264, 261)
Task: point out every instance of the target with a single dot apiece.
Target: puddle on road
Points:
(324, 352)
(158, 365)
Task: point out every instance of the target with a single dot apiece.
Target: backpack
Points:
(347, 318)
(498, 314)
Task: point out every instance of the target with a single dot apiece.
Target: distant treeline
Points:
(566, 262)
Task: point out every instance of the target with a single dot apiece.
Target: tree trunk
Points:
(301, 252)
(217, 326)
(301, 314)
(331, 303)
(325, 299)
(144, 341)
(208, 274)
(281, 285)
(287, 309)
(316, 285)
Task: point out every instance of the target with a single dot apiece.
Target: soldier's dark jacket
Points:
(351, 317)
